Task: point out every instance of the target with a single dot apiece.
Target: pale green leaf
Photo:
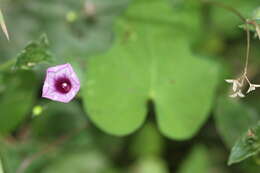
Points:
(150, 59)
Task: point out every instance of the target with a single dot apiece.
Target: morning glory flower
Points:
(61, 83)
(236, 88)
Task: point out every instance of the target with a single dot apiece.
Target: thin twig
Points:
(28, 161)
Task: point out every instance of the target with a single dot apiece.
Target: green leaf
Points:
(233, 119)
(17, 99)
(197, 161)
(35, 53)
(246, 146)
(150, 59)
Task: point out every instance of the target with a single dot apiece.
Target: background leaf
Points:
(20, 92)
(225, 21)
(76, 38)
(233, 118)
(48, 124)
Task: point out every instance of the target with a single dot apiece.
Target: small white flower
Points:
(237, 94)
(235, 83)
(252, 87)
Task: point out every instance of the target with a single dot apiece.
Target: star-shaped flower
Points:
(236, 88)
(61, 83)
(237, 94)
(236, 83)
(252, 87)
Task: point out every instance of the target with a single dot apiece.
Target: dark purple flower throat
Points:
(63, 85)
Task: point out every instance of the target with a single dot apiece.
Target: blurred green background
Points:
(153, 97)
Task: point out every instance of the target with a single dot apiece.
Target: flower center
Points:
(63, 85)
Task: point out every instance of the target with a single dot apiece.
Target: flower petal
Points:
(229, 80)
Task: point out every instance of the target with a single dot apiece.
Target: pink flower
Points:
(61, 83)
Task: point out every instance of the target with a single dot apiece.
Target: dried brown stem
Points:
(247, 47)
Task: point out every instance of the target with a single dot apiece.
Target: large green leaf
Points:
(233, 119)
(17, 99)
(246, 146)
(150, 59)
